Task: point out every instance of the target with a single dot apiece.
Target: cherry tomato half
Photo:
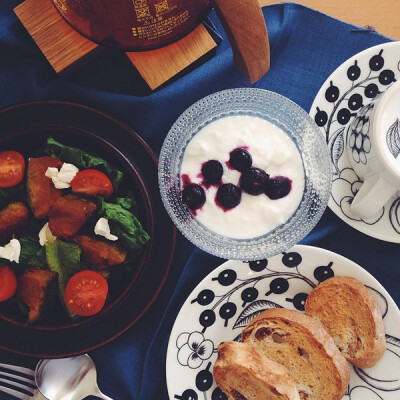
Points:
(86, 293)
(93, 183)
(12, 168)
(8, 282)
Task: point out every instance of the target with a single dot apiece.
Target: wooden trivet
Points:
(65, 48)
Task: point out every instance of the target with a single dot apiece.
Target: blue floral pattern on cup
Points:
(359, 140)
(345, 94)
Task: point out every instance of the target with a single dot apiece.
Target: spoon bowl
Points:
(72, 378)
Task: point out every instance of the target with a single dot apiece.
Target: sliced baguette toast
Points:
(352, 317)
(304, 347)
(242, 373)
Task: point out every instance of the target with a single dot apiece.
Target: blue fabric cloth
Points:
(306, 46)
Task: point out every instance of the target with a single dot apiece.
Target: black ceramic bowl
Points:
(25, 128)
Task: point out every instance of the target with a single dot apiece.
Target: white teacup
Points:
(373, 148)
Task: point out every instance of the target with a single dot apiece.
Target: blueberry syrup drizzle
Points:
(185, 180)
(193, 195)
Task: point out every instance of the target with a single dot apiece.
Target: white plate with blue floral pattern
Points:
(233, 294)
(353, 85)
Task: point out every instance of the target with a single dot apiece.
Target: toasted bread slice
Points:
(242, 373)
(304, 347)
(352, 317)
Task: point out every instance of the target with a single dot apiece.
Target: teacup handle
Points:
(372, 196)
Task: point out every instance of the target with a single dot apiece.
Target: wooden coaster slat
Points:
(65, 48)
(158, 66)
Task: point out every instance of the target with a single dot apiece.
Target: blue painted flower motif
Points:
(193, 349)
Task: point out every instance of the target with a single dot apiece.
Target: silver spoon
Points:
(71, 378)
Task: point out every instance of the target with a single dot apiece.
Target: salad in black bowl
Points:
(135, 266)
(69, 230)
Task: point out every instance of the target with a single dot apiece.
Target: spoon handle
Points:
(102, 396)
(38, 396)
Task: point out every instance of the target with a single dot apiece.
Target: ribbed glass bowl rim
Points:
(282, 112)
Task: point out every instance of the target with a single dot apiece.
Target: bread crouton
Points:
(68, 214)
(35, 288)
(13, 221)
(99, 253)
(40, 189)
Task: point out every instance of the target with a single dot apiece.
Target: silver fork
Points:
(22, 383)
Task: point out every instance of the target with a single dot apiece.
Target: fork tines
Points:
(17, 381)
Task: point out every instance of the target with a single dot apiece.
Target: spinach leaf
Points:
(32, 253)
(125, 224)
(132, 241)
(82, 159)
(64, 259)
(126, 202)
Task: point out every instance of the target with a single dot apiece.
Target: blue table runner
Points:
(306, 47)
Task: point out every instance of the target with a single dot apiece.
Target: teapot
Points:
(136, 25)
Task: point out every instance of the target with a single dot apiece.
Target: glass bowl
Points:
(286, 115)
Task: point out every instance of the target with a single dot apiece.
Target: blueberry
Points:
(253, 181)
(278, 187)
(228, 195)
(193, 196)
(212, 171)
(240, 159)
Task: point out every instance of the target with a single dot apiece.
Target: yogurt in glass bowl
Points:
(245, 174)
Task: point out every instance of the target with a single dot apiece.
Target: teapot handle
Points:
(245, 27)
